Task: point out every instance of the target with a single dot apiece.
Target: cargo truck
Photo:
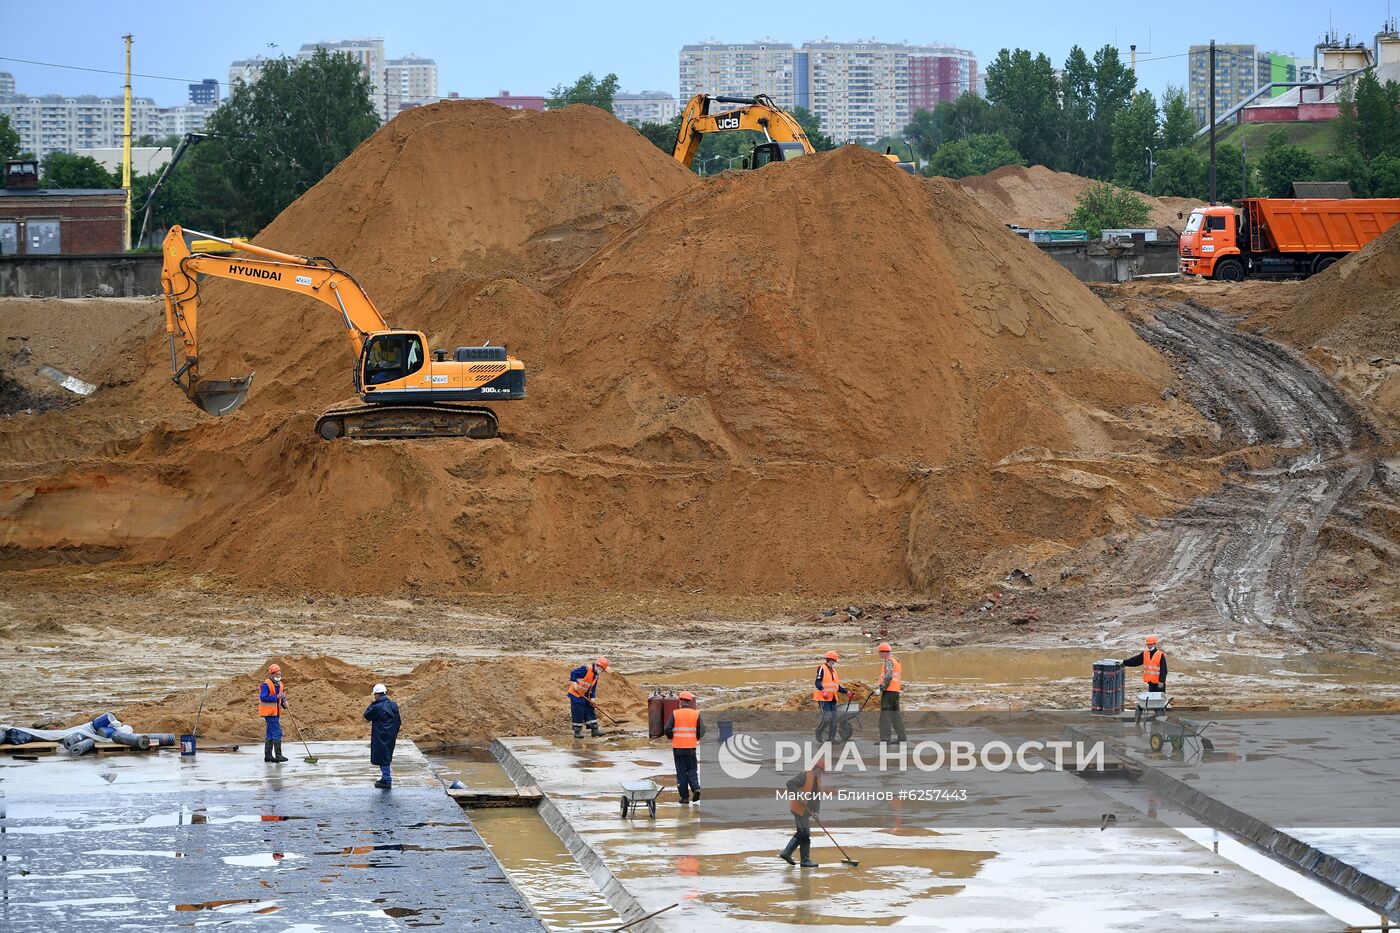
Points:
(1283, 237)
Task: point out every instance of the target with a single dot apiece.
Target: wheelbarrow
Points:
(636, 794)
(847, 719)
(1175, 732)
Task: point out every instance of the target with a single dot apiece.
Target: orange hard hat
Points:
(884, 646)
(603, 663)
(686, 696)
(833, 656)
(274, 668)
(1152, 639)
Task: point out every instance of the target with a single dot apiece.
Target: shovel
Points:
(844, 857)
(310, 758)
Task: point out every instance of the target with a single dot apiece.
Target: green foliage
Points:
(1024, 94)
(921, 132)
(1107, 206)
(661, 135)
(586, 90)
(1229, 175)
(1178, 120)
(1135, 130)
(1094, 92)
(275, 139)
(812, 125)
(1376, 126)
(1282, 164)
(65, 170)
(1384, 176)
(974, 155)
(1179, 173)
(9, 139)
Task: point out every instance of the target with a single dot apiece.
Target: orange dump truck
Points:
(1280, 236)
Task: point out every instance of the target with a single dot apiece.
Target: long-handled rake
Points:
(844, 857)
(310, 758)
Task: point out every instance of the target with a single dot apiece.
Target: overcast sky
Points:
(528, 47)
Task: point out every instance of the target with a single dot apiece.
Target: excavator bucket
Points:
(220, 397)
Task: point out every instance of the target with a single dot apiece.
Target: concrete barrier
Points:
(104, 275)
(1102, 262)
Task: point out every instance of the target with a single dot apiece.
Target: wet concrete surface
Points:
(912, 872)
(140, 841)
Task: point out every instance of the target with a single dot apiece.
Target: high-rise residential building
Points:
(409, 81)
(1240, 70)
(645, 107)
(7, 84)
(860, 90)
(370, 55)
(246, 70)
(744, 69)
(205, 92)
(186, 118)
(54, 122)
(940, 74)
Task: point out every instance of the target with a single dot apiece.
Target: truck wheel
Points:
(1323, 262)
(1229, 270)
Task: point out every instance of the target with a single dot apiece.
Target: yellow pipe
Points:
(126, 145)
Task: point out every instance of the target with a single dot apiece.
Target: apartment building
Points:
(246, 70)
(1240, 70)
(940, 74)
(54, 122)
(646, 107)
(369, 53)
(408, 82)
(762, 67)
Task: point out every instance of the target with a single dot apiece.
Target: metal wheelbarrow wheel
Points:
(1155, 742)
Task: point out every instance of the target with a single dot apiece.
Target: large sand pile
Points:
(823, 377)
(441, 701)
(1043, 198)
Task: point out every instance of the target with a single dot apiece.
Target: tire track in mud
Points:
(1243, 551)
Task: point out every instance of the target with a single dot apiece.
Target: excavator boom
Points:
(757, 113)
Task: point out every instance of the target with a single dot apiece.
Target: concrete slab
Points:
(1322, 792)
(1138, 875)
(143, 840)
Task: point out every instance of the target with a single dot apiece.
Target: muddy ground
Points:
(1277, 590)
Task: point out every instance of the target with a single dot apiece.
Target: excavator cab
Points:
(765, 153)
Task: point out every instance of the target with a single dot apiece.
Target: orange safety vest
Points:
(1152, 667)
(579, 688)
(829, 685)
(811, 786)
(896, 679)
(683, 735)
(275, 707)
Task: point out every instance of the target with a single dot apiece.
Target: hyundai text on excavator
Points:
(408, 390)
(784, 138)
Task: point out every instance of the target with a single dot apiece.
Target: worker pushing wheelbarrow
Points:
(840, 712)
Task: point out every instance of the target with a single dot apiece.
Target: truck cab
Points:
(1211, 235)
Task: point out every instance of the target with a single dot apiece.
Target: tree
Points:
(274, 139)
(1024, 93)
(1077, 112)
(1375, 122)
(1284, 163)
(9, 139)
(921, 132)
(1179, 173)
(1135, 131)
(963, 117)
(975, 155)
(661, 135)
(1106, 206)
(65, 170)
(1229, 174)
(1178, 120)
(586, 90)
(812, 125)
(1114, 84)
(1384, 180)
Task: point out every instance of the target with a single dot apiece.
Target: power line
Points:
(104, 71)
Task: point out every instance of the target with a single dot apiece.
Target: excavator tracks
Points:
(396, 422)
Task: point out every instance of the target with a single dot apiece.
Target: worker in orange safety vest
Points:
(685, 729)
(825, 689)
(1153, 662)
(891, 680)
(804, 800)
(272, 699)
(583, 690)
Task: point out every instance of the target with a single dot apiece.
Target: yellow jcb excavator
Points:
(783, 135)
(408, 389)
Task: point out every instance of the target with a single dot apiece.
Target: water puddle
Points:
(260, 859)
(252, 905)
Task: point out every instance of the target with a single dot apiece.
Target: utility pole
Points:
(1244, 167)
(1132, 51)
(1212, 122)
(126, 145)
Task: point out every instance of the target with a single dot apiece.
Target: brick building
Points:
(38, 221)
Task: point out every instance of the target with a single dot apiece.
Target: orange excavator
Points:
(408, 390)
(784, 138)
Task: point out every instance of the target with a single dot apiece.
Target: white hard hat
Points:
(380, 688)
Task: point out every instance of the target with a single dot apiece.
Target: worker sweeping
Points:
(825, 690)
(891, 686)
(685, 729)
(383, 716)
(805, 802)
(583, 691)
(1153, 662)
(272, 699)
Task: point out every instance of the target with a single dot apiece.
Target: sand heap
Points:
(440, 700)
(822, 377)
(1042, 198)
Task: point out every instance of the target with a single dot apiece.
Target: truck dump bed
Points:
(1317, 225)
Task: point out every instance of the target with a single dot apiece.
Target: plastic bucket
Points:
(726, 729)
(187, 744)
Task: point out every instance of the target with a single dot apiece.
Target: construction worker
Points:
(891, 685)
(806, 801)
(1153, 662)
(383, 715)
(685, 729)
(825, 690)
(272, 699)
(583, 690)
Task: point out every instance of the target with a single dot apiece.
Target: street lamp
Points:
(704, 163)
(1150, 164)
